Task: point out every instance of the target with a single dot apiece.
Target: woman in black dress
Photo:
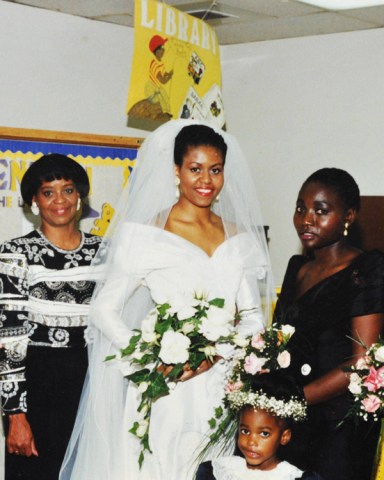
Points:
(334, 297)
(46, 283)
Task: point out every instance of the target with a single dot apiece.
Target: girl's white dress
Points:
(235, 468)
(169, 268)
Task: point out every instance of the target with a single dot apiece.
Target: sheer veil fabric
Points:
(100, 437)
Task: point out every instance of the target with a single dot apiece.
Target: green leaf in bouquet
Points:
(219, 412)
(212, 423)
(163, 326)
(217, 302)
(195, 358)
(131, 346)
(163, 309)
(109, 357)
(134, 428)
(157, 385)
(139, 377)
(176, 371)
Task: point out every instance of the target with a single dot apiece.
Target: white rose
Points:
(148, 333)
(354, 384)
(240, 341)
(187, 327)
(174, 347)
(379, 354)
(284, 359)
(209, 351)
(288, 330)
(142, 428)
(183, 303)
(306, 369)
(137, 355)
(218, 323)
(143, 387)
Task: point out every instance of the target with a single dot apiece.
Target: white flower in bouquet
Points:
(379, 354)
(142, 428)
(218, 323)
(183, 304)
(240, 341)
(355, 384)
(143, 387)
(209, 351)
(174, 347)
(284, 359)
(288, 330)
(187, 328)
(148, 327)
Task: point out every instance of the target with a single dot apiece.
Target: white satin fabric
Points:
(164, 263)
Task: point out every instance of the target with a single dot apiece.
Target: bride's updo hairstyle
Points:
(197, 136)
(341, 182)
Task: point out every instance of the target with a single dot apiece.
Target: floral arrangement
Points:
(263, 352)
(172, 335)
(366, 383)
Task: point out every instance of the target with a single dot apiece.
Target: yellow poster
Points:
(176, 69)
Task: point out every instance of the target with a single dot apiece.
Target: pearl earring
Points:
(177, 183)
(78, 204)
(346, 226)
(35, 209)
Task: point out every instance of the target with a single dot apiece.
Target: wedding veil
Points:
(96, 448)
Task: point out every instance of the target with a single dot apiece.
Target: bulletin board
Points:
(107, 160)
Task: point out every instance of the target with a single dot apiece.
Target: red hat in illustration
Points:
(156, 42)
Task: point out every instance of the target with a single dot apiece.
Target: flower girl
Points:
(266, 416)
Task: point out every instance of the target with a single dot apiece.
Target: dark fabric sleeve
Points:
(13, 328)
(205, 471)
(311, 476)
(368, 281)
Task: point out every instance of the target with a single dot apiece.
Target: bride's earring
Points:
(78, 204)
(177, 183)
(346, 226)
(35, 209)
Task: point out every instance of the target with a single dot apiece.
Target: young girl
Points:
(267, 417)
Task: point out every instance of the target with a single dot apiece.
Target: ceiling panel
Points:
(252, 20)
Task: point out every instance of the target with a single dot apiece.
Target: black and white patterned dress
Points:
(44, 302)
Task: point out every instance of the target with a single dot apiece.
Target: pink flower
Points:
(284, 359)
(232, 387)
(375, 379)
(253, 364)
(258, 341)
(371, 403)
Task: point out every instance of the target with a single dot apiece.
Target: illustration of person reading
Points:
(158, 76)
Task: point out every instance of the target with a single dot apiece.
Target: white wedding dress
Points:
(166, 266)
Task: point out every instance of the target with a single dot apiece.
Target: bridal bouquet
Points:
(263, 352)
(174, 334)
(366, 383)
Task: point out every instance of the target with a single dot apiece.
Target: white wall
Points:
(301, 104)
(296, 105)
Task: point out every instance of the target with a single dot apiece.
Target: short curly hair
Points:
(53, 166)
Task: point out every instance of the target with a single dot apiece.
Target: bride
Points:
(189, 221)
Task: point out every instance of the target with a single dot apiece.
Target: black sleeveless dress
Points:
(321, 342)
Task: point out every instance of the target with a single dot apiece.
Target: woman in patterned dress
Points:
(46, 283)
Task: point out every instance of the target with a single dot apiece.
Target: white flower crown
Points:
(293, 408)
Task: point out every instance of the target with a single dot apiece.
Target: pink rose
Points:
(253, 364)
(375, 379)
(232, 387)
(371, 403)
(284, 359)
(258, 341)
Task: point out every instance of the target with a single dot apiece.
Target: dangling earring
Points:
(217, 198)
(177, 183)
(78, 204)
(35, 209)
(346, 226)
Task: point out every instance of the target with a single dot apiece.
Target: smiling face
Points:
(320, 216)
(57, 202)
(260, 436)
(201, 175)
